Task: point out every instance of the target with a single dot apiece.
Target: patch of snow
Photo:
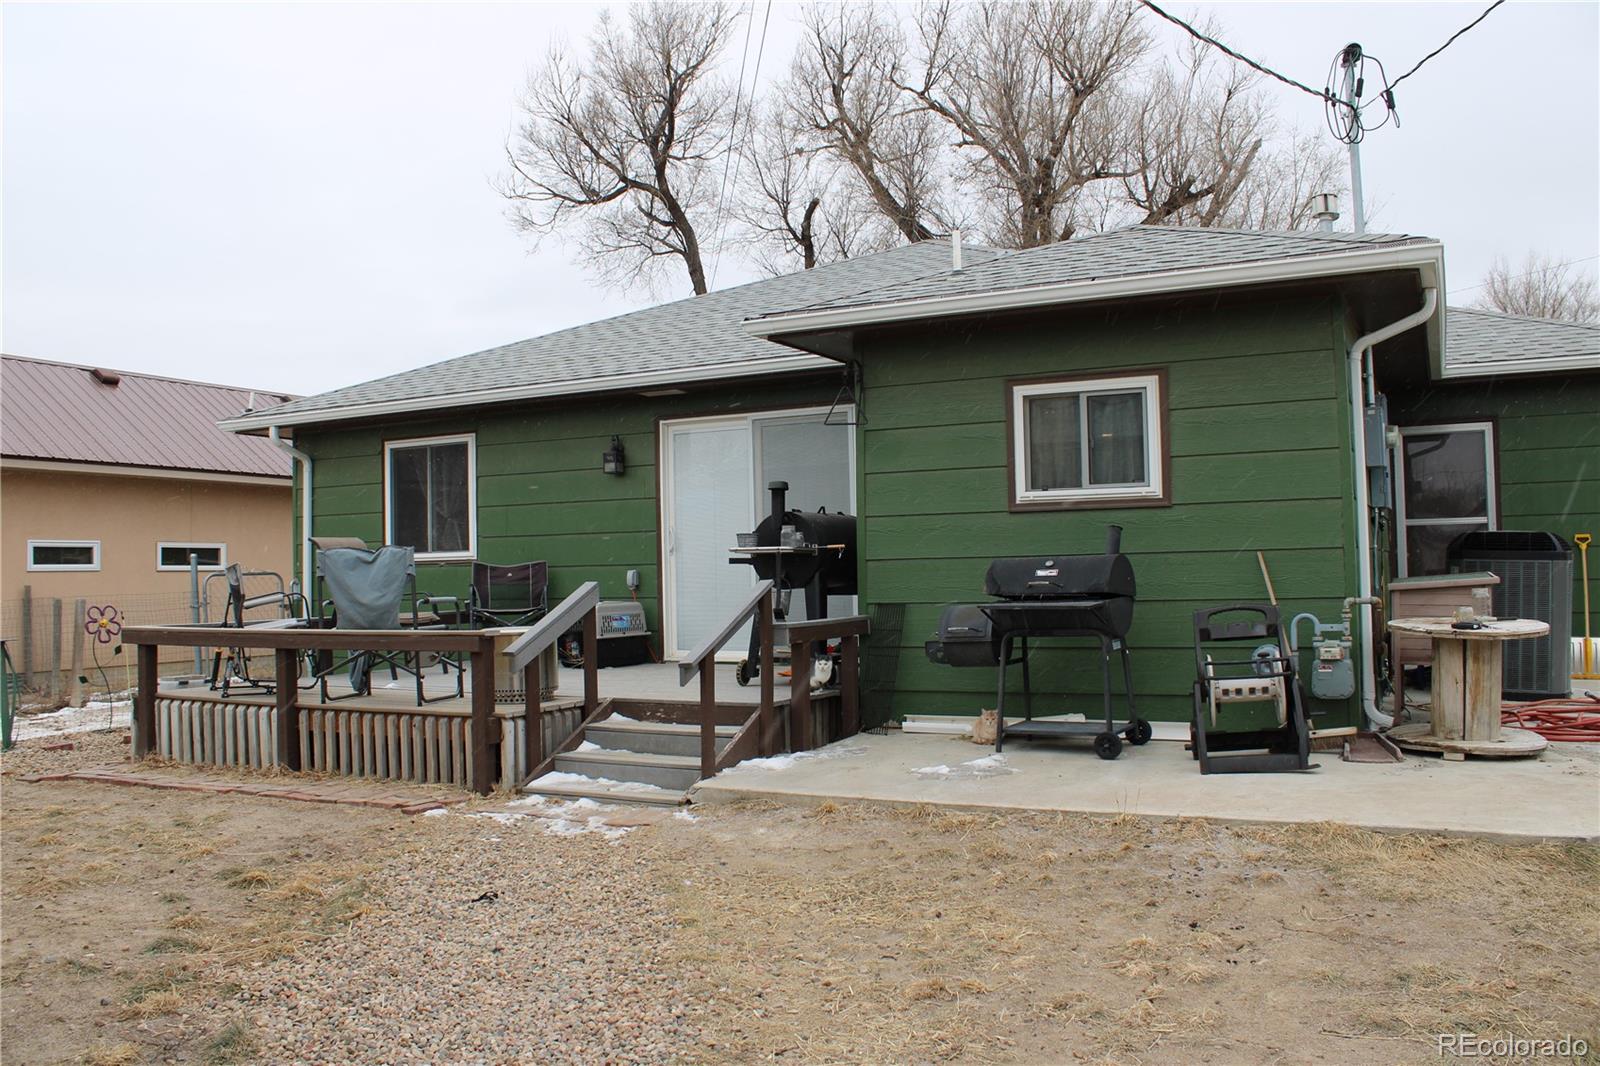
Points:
(91, 717)
(784, 762)
(598, 784)
(987, 766)
(435, 813)
(683, 815)
(588, 745)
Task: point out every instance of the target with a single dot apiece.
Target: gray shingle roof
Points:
(1127, 252)
(697, 334)
(1486, 342)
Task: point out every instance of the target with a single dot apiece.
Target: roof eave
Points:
(1427, 258)
(617, 383)
(1503, 368)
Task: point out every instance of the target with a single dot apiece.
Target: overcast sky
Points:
(299, 196)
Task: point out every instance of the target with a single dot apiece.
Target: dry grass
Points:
(1118, 938)
(123, 1054)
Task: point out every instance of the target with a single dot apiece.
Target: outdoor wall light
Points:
(612, 459)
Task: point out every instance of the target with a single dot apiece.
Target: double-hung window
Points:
(1081, 442)
(1447, 488)
(430, 496)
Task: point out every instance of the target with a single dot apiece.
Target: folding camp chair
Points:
(514, 595)
(230, 667)
(367, 589)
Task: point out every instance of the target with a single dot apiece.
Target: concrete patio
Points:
(1555, 796)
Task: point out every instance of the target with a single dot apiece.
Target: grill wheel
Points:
(1108, 745)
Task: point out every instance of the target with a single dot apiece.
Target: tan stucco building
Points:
(108, 482)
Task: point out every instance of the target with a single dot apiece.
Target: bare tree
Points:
(1541, 288)
(800, 202)
(845, 100)
(1030, 92)
(624, 145)
(1277, 192)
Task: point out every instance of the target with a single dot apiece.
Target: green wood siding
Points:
(1259, 437)
(541, 494)
(1547, 434)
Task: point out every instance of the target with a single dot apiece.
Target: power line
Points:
(733, 131)
(749, 117)
(1246, 60)
(1446, 44)
(1527, 274)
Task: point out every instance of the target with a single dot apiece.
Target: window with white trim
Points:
(430, 496)
(1089, 440)
(1446, 488)
(63, 555)
(175, 556)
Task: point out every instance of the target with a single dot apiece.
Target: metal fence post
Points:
(194, 606)
(27, 635)
(55, 647)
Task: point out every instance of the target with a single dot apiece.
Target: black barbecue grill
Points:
(813, 551)
(1045, 597)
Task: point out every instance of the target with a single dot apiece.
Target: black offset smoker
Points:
(813, 551)
(1050, 596)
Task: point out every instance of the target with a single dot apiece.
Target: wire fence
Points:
(62, 648)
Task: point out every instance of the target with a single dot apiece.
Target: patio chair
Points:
(367, 589)
(512, 595)
(230, 667)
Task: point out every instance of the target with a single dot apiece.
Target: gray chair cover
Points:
(367, 587)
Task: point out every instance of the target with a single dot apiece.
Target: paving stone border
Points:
(352, 794)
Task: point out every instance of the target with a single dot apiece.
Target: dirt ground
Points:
(145, 926)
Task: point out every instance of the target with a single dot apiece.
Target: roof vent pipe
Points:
(1325, 209)
(955, 249)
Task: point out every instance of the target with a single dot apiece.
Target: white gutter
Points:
(1409, 256)
(781, 364)
(1358, 440)
(305, 505)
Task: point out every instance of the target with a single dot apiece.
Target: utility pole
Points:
(1350, 59)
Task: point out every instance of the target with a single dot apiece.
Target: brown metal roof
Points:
(72, 413)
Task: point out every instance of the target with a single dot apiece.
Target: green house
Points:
(1215, 393)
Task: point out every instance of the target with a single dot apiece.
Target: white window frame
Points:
(1154, 484)
(471, 441)
(161, 546)
(666, 492)
(53, 543)
(1491, 485)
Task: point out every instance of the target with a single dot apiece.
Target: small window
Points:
(1446, 488)
(63, 555)
(431, 499)
(176, 556)
(1088, 442)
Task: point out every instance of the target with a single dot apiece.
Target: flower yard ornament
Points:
(103, 623)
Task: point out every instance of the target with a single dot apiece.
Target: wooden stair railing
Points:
(702, 661)
(524, 652)
(801, 638)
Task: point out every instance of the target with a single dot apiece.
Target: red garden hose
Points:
(1576, 720)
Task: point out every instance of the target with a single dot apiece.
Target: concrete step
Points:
(610, 792)
(664, 771)
(654, 738)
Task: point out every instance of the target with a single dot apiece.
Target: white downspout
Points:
(305, 503)
(1358, 435)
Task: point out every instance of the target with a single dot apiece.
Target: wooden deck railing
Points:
(801, 637)
(286, 748)
(577, 609)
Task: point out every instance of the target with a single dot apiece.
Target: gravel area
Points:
(497, 942)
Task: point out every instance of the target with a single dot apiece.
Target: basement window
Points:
(430, 496)
(63, 555)
(173, 556)
(1088, 442)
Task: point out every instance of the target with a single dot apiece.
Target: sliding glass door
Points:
(714, 476)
